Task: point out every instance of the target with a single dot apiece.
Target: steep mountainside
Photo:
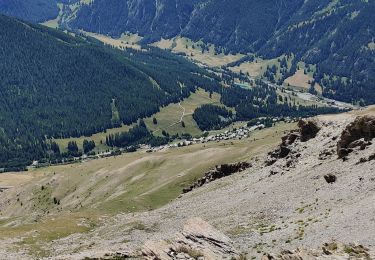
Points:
(30, 10)
(56, 85)
(239, 25)
(335, 35)
(339, 37)
(314, 186)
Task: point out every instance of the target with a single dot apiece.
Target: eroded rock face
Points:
(308, 130)
(218, 173)
(328, 251)
(283, 150)
(198, 240)
(357, 134)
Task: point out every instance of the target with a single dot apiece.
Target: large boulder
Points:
(357, 134)
(308, 129)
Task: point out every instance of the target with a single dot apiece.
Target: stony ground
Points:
(264, 209)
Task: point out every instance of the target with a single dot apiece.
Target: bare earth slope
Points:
(265, 209)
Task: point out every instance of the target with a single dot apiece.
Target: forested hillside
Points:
(30, 10)
(55, 85)
(237, 25)
(337, 36)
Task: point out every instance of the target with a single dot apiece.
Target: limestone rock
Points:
(218, 173)
(198, 240)
(331, 250)
(308, 130)
(357, 134)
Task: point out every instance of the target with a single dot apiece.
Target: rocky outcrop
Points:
(198, 240)
(330, 178)
(308, 129)
(328, 251)
(218, 173)
(283, 150)
(357, 134)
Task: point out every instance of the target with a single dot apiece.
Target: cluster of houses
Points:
(234, 134)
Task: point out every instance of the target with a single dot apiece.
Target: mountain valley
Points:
(187, 129)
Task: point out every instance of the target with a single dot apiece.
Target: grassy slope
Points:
(170, 115)
(131, 182)
(167, 116)
(185, 45)
(255, 68)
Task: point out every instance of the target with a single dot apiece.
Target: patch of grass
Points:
(169, 117)
(36, 235)
(263, 229)
(140, 226)
(193, 51)
(195, 254)
(238, 230)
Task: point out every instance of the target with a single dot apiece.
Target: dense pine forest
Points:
(337, 36)
(56, 85)
(262, 101)
(30, 10)
(211, 117)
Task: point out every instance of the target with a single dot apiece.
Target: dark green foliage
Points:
(213, 21)
(72, 147)
(158, 141)
(55, 85)
(333, 35)
(136, 135)
(73, 150)
(336, 40)
(337, 43)
(55, 148)
(118, 16)
(261, 101)
(30, 10)
(211, 117)
(88, 146)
